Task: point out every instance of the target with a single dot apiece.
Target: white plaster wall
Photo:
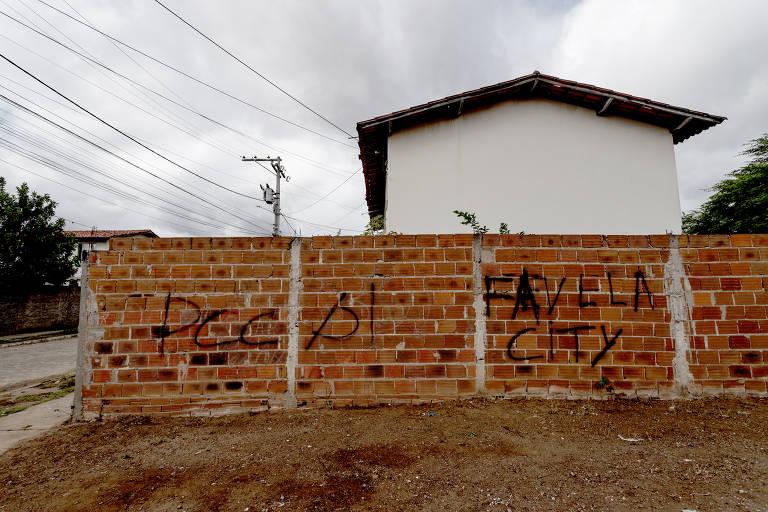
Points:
(538, 165)
(90, 247)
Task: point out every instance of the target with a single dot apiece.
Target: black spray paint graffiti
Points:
(525, 299)
(373, 301)
(575, 330)
(319, 332)
(164, 332)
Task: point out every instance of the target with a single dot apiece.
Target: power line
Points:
(315, 194)
(349, 213)
(315, 163)
(65, 120)
(132, 164)
(83, 152)
(289, 224)
(155, 152)
(68, 220)
(126, 101)
(121, 132)
(318, 224)
(328, 194)
(29, 138)
(273, 84)
(62, 169)
(72, 109)
(192, 77)
(68, 172)
(149, 73)
(145, 95)
(99, 198)
(123, 159)
(306, 221)
(194, 130)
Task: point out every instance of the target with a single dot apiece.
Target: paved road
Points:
(25, 363)
(34, 421)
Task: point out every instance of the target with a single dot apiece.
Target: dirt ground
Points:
(476, 455)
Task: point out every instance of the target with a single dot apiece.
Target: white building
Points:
(532, 153)
(98, 240)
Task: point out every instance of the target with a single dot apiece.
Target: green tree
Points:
(739, 203)
(34, 250)
(375, 226)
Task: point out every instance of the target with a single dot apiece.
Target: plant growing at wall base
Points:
(604, 382)
(469, 219)
(34, 250)
(375, 225)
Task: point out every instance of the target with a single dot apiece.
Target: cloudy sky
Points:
(346, 60)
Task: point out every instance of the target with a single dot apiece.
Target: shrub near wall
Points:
(198, 326)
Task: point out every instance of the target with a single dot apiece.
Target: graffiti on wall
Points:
(338, 306)
(263, 320)
(525, 299)
(196, 326)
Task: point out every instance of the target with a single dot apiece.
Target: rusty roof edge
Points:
(110, 233)
(372, 132)
(552, 80)
(664, 107)
(448, 100)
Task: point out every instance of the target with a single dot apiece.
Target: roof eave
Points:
(681, 122)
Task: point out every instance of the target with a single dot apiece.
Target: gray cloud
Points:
(351, 61)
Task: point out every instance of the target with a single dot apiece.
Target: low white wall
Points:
(538, 165)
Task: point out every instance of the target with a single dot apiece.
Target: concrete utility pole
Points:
(272, 196)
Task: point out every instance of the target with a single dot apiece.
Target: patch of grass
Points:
(13, 410)
(37, 397)
(66, 381)
(65, 385)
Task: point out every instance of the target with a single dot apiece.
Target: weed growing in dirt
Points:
(66, 382)
(11, 405)
(605, 382)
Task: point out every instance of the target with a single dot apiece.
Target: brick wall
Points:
(201, 326)
(47, 309)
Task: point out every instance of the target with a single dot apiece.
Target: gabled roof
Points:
(102, 235)
(373, 133)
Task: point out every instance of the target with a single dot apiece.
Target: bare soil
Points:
(475, 455)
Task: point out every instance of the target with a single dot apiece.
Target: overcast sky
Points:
(347, 60)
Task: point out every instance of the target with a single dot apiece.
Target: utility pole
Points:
(272, 196)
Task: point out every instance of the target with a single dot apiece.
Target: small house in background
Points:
(98, 240)
(539, 153)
